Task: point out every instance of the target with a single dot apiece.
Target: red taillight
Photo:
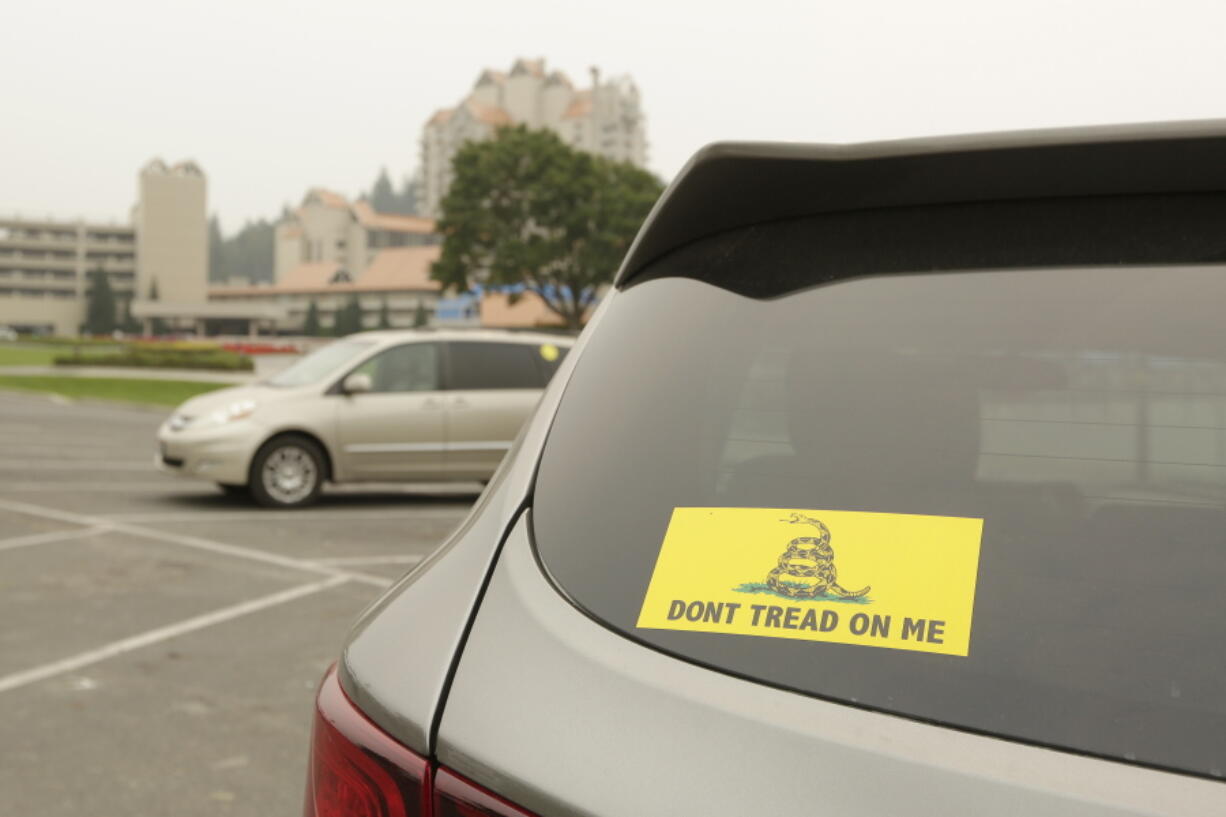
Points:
(358, 771)
(456, 797)
(355, 769)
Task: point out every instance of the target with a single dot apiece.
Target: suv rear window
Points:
(1080, 412)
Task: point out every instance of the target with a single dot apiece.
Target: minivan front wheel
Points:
(288, 472)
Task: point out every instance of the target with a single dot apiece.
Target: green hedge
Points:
(215, 359)
(58, 340)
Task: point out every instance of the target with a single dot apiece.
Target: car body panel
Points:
(398, 658)
(392, 435)
(563, 716)
(481, 425)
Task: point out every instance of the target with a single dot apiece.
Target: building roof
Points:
(529, 311)
(399, 269)
(394, 222)
(489, 114)
(581, 106)
(491, 77)
(441, 116)
(327, 198)
(310, 274)
(535, 68)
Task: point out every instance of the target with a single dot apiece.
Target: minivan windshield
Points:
(319, 364)
(1070, 421)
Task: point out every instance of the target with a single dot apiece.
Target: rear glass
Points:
(1080, 413)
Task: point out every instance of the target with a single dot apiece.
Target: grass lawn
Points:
(27, 354)
(133, 390)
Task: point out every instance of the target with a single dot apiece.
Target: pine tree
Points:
(348, 318)
(409, 196)
(382, 196)
(217, 249)
(385, 318)
(100, 311)
(127, 323)
(310, 326)
(158, 326)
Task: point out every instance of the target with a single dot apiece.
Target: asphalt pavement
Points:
(160, 643)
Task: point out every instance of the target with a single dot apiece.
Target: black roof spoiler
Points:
(728, 185)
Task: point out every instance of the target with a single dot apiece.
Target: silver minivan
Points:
(382, 406)
(887, 480)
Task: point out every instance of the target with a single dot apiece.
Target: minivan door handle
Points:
(432, 403)
(459, 402)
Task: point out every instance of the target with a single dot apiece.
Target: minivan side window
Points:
(476, 365)
(409, 367)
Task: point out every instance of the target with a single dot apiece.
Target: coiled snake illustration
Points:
(806, 569)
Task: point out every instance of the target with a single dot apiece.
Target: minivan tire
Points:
(287, 472)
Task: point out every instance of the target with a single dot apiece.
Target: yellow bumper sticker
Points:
(876, 579)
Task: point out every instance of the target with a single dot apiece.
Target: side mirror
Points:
(357, 383)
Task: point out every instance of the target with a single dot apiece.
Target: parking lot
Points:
(160, 643)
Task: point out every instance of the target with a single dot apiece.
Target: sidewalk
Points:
(131, 373)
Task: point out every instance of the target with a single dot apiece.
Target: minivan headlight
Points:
(235, 411)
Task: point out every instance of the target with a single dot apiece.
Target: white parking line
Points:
(166, 486)
(293, 516)
(52, 536)
(371, 560)
(75, 465)
(136, 642)
(167, 537)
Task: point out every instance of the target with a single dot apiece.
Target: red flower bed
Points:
(261, 348)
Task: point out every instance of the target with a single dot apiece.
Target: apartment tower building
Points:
(605, 119)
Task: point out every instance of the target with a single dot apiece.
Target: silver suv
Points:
(375, 406)
(888, 480)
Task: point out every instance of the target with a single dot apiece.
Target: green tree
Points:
(382, 196)
(422, 316)
(100, 309)
(409, 197)
(310, 325)
(525, 209)
(385, 317)
(386, 199)
(217, 251)
(157, 325)
(247, 254)
(127, 323)
(348, 318)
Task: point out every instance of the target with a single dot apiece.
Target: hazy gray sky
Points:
(274, 97)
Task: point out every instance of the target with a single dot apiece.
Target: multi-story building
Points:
(171, 218)
(606, 119)
(331, 250)
(46, 267)
(328, 228)
(398, 279)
